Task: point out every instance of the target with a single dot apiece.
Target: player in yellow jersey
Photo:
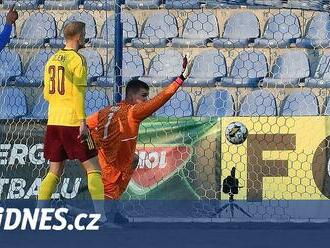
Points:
(67, 135)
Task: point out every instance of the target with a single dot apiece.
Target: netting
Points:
(262, 63)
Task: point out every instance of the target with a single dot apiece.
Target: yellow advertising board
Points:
(283, 158)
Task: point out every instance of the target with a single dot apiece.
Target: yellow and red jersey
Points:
(65, 86)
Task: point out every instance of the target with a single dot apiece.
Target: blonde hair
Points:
(73, 28)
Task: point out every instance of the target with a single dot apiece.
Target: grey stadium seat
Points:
(209, 66)
(157, 31)
(99, 4)
(198, 29)
(143, 4)
(216, 103)
(288, 70)
(259, 103)
(107, 36)
(62, 4)
(95, 99)
(300, 104)
(180, 105)
(22, 4)
(12, 103)
(317, 33)
(94, 64)
(164, 68)
(281, 30)
(240, 29)
(321, 78)
(10, 66)
(133, 67)
(182, 4)
(248, 68)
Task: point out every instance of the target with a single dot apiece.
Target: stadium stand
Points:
(94, 64)
(248, 68)
(327, 106)
(209, 67)
(321, 78)
(281, 30)
(305, 4)
(12, 103)
(98, 4)
(95, 99)
(133, 67)
(302, 103)
(317, 33)
(199, 28)
(288, 70)
(180, 105)
(10, 66)
(22, 4)
(261, 3)
(62, 4)
(240, 30)
(182, 4)
(37, 30)
(223, 3)
(40, 109)
(157, 31)
(143, 4)
(107, 36)
(216, 103)
(85, 17)
(34, 74)
(164, 68)
(259, 103)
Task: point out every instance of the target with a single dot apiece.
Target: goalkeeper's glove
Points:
(186, 66)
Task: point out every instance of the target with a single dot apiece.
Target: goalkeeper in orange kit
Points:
(115, 131)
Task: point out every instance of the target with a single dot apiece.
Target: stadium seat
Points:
(223, 3)
(99, 4)
(22, 4)
(248, 68)
(306, 4)
(107, 36)
(85, 17)
(40, 109)
(61, 4)
(94, 64)
(317, 33)
(209, 67)
(281, 30)
(132, 68)
(259, 103)
(240, 29)
(3, 22)
(300, 104)
(12, 103)
(269, 3)
(95, 99)
(180, 105)
(182, 4)
(164, 68)
(36, 31)
(157, 31)
(327, 106)
(143, 4)
(198, 29)
(288, 70)
(321, 78)
(216, 103)
(10, 66)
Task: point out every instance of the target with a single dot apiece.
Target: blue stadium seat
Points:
(12, 103)
(216, 103)
(107, 36)
(99, 4)
(85, 17)
(223, 3)
(132, 68)
(259, 103)
(248, 68)
(327, 106)
(143, 4)
(300, 104)
(10, 66)
(306, 4)
(198, 29)
(182, 4)
(61, 4)
(317, 33)
(157, 31)
(321, 78)
(180, 105)
(36, 31)
(281, 30)
(22, 4)
(268, 3)
(164, 68)
(34, 74)
(209, 66)
(288, 70)
(95, 99)
(3, 22)
(240, 29)
(94, 64)
(40, 109)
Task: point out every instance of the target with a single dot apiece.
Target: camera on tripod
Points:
(230, 184)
